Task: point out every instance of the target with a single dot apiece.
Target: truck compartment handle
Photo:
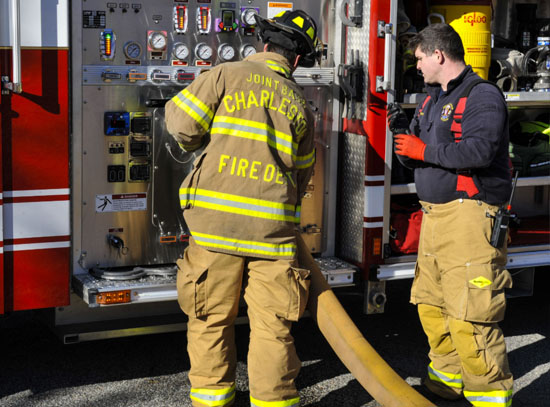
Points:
(384, 83)
(15, 85)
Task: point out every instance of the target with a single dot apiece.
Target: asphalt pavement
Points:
(36, 369)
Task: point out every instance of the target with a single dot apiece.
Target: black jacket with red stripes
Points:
(472, 165)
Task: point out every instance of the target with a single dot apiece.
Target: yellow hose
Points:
(366, 365)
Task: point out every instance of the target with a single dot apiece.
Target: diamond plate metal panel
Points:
(358, 40)
(352, 197)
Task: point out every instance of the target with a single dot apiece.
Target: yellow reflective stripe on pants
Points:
(255, 131)
(278, 68)
(194, 107)
(448, 379)
(304, 161)
(239, 205)
(244, 246)
(213, 397)
(284, 403)
(495, 398)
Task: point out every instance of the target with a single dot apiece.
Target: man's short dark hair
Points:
(287, 53)
(439, 36)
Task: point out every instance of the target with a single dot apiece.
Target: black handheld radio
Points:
(499, 234)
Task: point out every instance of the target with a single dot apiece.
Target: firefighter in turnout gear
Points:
(241, 203)
(457, 144)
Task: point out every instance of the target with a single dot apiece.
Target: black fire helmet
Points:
(294, 30)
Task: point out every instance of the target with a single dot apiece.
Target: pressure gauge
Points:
(247, 16)
(226, 52)
(180, 51)
(247, 50)
(203, 51)
(132, 50)
(157, 40)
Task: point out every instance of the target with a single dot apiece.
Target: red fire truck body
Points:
(34, 183)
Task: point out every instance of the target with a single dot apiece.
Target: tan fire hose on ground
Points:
(366, 365)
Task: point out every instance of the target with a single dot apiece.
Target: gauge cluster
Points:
(181, 34)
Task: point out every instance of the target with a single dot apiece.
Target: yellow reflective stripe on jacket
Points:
(194, 107)
(284, 403)
(211, 397)
(278, 68)
(255, 131)
(449, 379)
(304, 161)
(244, 246)
(240, 205)
(495, 398)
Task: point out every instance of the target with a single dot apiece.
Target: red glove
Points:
(409, 146)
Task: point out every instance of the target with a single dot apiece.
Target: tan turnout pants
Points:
(209, 288)
(459, 289)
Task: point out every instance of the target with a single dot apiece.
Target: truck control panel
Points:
(134, 57)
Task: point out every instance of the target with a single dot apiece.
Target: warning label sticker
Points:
(121, 202)
(276, 7)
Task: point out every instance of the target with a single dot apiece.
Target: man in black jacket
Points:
(457, 144)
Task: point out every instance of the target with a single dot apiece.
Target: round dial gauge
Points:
(226, 52)
(132, 50)
(203, 51)
(181, 51)
(247, 16)
(157, 40)
(247, 50)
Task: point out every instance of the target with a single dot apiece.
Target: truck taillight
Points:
(114, 297)
(377, 246)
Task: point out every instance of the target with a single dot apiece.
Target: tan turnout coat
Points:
(243, 195)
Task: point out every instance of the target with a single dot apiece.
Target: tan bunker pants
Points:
(459, 288)
(209, 287)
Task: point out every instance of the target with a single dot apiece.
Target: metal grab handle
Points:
(314, 76)
(15, 85)
(386, 31)
(352, 21)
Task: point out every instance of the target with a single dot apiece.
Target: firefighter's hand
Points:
(409, 146)
(397, 119)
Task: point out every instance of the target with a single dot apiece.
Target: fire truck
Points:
(90, 224)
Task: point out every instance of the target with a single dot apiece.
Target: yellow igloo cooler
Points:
(472, 21)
